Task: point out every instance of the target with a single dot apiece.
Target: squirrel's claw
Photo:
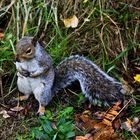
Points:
(23, 98)
(41, 111)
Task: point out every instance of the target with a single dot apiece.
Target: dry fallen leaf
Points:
(106, 133)
(81, 138)
(135, 121)
(86, 137)
(126, 86)
(4, 113)
(84, 121)
(107, 122)
(99, 125)
(130, 125)
(99, 115)
(71, 22)
(17, 108)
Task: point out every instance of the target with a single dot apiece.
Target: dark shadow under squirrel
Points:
(36, 75)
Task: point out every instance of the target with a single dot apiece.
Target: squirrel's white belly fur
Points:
(29, 85)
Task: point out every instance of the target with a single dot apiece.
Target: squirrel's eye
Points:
(29, 50)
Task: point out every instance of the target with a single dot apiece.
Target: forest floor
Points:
(106, 32)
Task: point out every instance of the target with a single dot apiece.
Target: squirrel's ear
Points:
(34, 41)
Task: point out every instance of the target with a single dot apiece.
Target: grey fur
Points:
(95, 84)
(93, 81)
(40, 66)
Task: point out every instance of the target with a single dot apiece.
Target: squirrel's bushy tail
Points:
(95, 84)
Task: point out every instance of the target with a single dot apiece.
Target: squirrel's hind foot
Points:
(40, 111)
(23, 98)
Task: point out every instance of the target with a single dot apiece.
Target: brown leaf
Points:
(84, 121)
(81, 138)
(1, 35)
(88, 123)
(106, 133)
(26, 109)
(99, 115)
(113, 112)
(89, 136)
(107, 122)
(86, 137)
(117, 106)
(109, 116)
(99, 125)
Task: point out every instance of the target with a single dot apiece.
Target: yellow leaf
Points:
(85, 1)
(71, 22)
(137, 78)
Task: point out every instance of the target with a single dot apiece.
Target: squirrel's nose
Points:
(17, 58)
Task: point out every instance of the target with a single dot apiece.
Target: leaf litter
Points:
(104, 128)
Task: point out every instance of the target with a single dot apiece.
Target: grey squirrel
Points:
(36, 75)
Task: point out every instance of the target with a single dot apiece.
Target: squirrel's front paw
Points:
(41, 111)
(24, 73)
(34, 74)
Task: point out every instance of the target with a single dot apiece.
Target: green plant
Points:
(63, 130)
(65, 113)
(7, 51)
(60, 129)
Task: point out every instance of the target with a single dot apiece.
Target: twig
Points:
(136, 31)
(4, 106)
(55, 10)
(101, 37)
(120, 38)
(14, 51)
(92, 11)
(72, 92)
(134, 135)
(39, 21)
(12, 83)
(8, 7)
(17, 20)
(1, 87)
(101, 13)
(27, 11)
(10, 92)
(122, 109)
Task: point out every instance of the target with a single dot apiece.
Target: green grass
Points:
(110, 38)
